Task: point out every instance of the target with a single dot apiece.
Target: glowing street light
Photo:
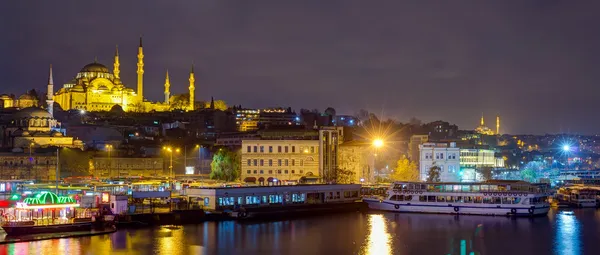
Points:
(378, 143)
(566, 148)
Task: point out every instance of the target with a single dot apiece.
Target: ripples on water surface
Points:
(563, 232)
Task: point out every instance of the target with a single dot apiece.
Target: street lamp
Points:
(170, 150)
(378, 143)
(108, 148)
(31, 160)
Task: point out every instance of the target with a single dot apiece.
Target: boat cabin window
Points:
(485, 188)
(441, 199)
(411, 186)
(466, 188)
(422, 198)
(449, 199)
(497, 200)
(475, 188)
(478, 200)
(275, 199)
(487, 200)
(448, 188)
(457, 188)
(468, 200)
(431, 199)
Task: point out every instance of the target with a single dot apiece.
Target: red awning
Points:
(261, 179)
(270, 179)
(250, 179)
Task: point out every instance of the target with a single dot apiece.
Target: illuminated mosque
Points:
(95, 88)
(484, 130)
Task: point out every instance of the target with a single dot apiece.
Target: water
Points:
(561, 232)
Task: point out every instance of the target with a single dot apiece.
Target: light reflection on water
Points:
(378, 239)
(568, 234)
(562, 232)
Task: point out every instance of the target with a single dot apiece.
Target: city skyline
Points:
(429, 61)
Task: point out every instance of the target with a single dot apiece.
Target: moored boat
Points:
(578, 195)
(512, 198)
(45, 213)
(274, 201)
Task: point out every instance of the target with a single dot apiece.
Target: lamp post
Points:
(170, 150)
(57, 177)
(108, 148)
(377, 143)
(31, 160)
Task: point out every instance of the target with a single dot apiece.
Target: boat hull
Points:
(28, 230)
(449, 208)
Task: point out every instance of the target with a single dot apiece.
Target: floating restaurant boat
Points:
(45, 213)
(250, 202)
(578, 195)
(512, 198)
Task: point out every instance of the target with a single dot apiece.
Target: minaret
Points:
(140, 73)
(192, 89)
(116, 70)
(497, 125)
(167, 86)
(482, 123)
(49, 96)
(212, 103)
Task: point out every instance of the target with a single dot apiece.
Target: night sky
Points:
(533, 62)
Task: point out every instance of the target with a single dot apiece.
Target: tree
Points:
(486, 173)
(225, 165)
(345, 176)
(219, 105)
(528, 175)
(179, 101)
(406, 170)
(433, 174)
(74, 162)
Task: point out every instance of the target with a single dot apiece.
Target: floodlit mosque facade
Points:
(95, 88)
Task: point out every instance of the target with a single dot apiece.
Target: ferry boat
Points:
(578, 195)
(512, 198)
(44, 213)
(261, 201)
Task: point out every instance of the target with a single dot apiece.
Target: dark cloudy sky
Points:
(533, 62)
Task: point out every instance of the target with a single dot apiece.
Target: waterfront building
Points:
(329, 140)
(444, 155)
(115, 167)
(27, 166)
(274, 162)
(95, 88)
(358, 157)
(472, 160)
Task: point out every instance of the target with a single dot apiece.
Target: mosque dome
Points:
(31, 112)
(77, 88)
(102, 87)
(94, 67)
(26, 97)
(330, 111)
(5, 97)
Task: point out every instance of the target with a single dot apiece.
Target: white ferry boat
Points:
(578, 195)
(512, 198)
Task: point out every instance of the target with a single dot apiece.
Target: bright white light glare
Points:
(566, 148)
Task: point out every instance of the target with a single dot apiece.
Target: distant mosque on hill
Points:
(95, 88)
(484, 130)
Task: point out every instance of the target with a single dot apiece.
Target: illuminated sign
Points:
(189, 170)
(105, 197)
